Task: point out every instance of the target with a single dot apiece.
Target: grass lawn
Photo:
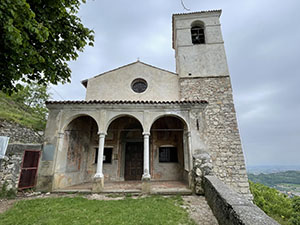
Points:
(78, 210)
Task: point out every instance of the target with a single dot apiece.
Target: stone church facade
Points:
(140, 122)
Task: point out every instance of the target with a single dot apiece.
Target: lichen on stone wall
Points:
(10, 165)
(18, 133)
(202, 166)
(220, 132)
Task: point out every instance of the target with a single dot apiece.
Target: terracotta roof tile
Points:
(128, 102)
(205, 11)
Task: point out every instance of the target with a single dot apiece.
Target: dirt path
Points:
(199, 210)
(6, 204)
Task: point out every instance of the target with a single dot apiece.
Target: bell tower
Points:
(198, 44)
(203, 74)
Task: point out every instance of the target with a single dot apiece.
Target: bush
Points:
(7, 193)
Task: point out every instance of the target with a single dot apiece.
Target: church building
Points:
(143, 123)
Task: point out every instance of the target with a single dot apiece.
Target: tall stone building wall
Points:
(220, 133)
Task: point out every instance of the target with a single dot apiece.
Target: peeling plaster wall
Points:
(167, 170)
(79, 139)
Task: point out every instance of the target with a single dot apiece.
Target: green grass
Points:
(15, 112)
(147, 211)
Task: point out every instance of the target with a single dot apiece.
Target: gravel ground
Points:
(199, 210)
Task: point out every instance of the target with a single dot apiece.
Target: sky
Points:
(262, 43)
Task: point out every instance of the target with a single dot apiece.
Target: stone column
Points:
(189, 144)
(98, 183)
(146, 175)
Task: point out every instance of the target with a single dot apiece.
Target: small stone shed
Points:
(140, 122)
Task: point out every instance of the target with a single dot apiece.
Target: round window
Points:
(139, 85)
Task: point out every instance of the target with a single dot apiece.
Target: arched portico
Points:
(68, 117)
(125, 138)
(107, 154)
(113, 116)
(75, 152)
(169, 148)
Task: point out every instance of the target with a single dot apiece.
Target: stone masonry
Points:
(10, 165)
(19, 133)
(202, 166)
(220, 133)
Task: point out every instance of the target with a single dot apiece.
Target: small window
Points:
(168, 154)
(197, 33)
(107, 155)
(139, 85)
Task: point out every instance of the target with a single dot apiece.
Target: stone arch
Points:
(181, 118)
(170, 149)
(75, 151)
(76, 115)
(115, 117)
(125, 137)
(197, 23)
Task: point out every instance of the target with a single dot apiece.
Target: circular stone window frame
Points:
(138, 80)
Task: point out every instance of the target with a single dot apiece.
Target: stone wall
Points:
(202, 166)
(219, 132)
(10, 165)
(19, 133)
(231, 208)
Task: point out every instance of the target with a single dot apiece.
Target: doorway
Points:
(134, 161)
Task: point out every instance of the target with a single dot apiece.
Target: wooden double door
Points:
(134, 154)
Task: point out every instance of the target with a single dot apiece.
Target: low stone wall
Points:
(10, 165)
(18, 133)
(231, 208)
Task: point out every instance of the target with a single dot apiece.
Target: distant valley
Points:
(287, 182)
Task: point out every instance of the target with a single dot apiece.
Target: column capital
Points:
(188, 133)
(98, 175)
(60, 134)
(102, 134)
(146, 133)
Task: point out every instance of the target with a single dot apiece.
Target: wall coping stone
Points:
(231, 208)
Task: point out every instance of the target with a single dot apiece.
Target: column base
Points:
(98, 184)
(146, 177)
(146, 186)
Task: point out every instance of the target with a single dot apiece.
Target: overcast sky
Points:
(262, 42)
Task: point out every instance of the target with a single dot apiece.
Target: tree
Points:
(295, 220)
(37, 39)
(32, 98)
(272, 202)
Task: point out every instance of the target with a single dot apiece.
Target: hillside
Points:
(287, 181)
(18, 112)
(275, 204)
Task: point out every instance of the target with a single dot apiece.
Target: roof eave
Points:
(84, 82)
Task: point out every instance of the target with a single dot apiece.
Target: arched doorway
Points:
(168, 149)
(75, 162)
(124, 137)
